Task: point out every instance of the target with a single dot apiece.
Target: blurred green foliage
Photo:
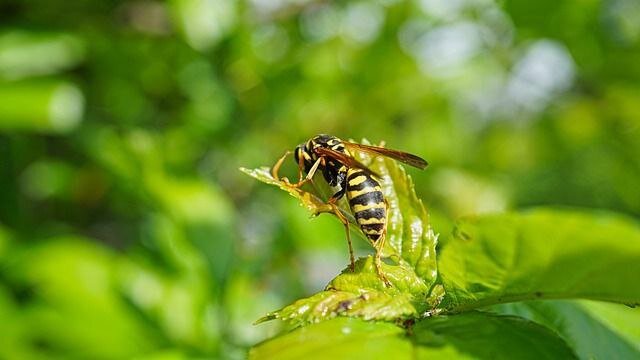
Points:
(126, 229)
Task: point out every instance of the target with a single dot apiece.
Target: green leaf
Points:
(471, 335)
(541, 254)
(340, 338)
(621, 319)
(577, 325)
(310, 201)
(362, 294)
(411, 243)
(486, 336)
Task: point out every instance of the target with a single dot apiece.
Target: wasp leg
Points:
(310, 174)
(379, 245)
(338, 195)
(333, 203)
(300, 167)
(345, 222)
(378, 262)
(276, 168)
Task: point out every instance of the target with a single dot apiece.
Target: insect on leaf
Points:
(410, 245)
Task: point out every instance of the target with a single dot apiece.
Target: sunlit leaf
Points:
(311, 202)
(361, 294)
(340, 338)
(472, 335)
(623, 320)
(541, 254)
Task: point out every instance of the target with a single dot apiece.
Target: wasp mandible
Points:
(331, 156)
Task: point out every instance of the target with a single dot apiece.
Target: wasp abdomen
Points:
(367, 203)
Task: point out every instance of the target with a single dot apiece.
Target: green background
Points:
(126, 229)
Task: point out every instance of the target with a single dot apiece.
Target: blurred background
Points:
(126, 229)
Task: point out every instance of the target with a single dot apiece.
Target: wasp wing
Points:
(344, 159)
(401, 156)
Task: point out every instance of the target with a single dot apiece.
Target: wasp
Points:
(333, 158)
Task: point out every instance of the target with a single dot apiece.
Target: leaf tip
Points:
(268, 317)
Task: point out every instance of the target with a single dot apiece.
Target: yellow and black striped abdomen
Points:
(367, 203)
